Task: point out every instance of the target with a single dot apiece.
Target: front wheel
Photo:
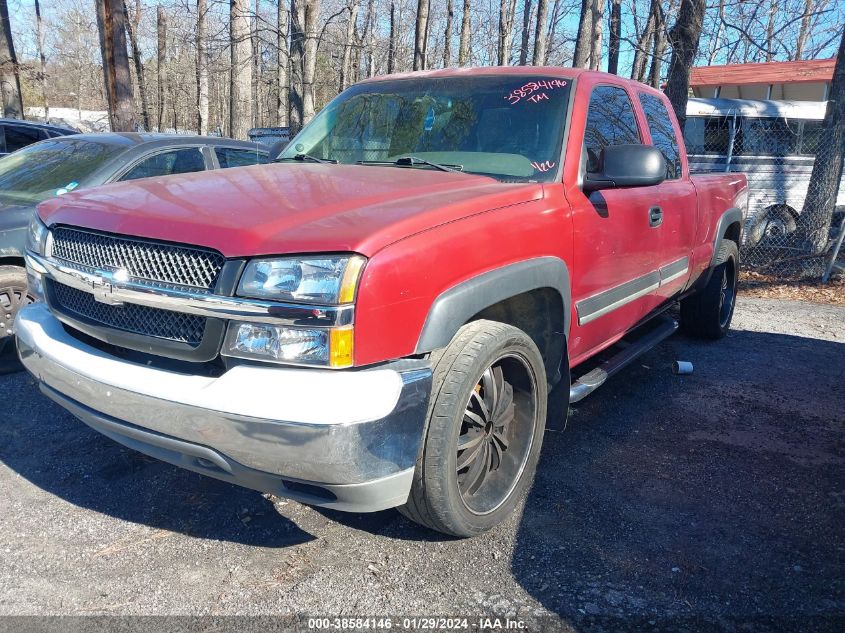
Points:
(485, 427)
(13, 296)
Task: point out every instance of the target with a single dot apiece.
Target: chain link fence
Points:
(794, 220)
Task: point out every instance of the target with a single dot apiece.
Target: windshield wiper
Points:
(307, 157)
(412, 161)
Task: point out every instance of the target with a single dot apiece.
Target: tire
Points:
(707, 314)
(488, 365)
(772, 226)
(13, 296)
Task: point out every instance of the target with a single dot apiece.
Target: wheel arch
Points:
(729, 227)
(533, 295)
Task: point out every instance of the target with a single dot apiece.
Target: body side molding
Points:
(460, 303)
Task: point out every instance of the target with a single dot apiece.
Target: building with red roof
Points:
(793, 81)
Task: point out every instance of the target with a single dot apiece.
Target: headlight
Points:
(36, 236)
(322, 280)
(293, 345)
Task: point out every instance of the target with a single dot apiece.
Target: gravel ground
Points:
(709, 501)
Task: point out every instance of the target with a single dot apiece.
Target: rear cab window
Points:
(662, 133)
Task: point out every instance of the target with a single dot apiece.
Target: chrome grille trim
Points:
(147, 262)
(136, 319)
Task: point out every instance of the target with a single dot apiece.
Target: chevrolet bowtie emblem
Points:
(103, 288)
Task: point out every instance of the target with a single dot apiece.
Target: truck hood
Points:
(287, 208)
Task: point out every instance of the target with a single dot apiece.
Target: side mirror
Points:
(627, 166)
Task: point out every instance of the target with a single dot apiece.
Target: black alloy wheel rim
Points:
(727, 294)
(497, 433)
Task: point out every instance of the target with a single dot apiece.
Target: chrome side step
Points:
(662, 328)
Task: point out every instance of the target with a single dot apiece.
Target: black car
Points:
(58, 165)
(16, 134)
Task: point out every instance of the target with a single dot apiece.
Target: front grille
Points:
(164, 324)
(146, 261)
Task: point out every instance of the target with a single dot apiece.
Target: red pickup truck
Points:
(376, 320)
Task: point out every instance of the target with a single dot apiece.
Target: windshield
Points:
(507, 127)
(49, 168)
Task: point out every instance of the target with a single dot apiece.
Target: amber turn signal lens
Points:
(341, 346)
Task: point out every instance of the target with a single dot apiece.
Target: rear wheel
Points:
(708, 313)
(485, 428)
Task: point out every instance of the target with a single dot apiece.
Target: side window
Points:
(662, 133)
(231, 157)
(179, 161)
(610, 121)
(18, 137)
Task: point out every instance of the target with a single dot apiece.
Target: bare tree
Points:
(540, 34)
(595, 40)
(202, 67)
(820, 203)
(507, 8)
(283, 77)
(297, 60)
(348, 45)
(118, 83)
(583, 41)
(615, 36)
(421, 35)
(132, 23)
(684, 37)
(240, 104)
(309, 62)
(463, 50)
(161, 66)
(447, 34)
(368, 68)
(661, 40)
(391, 46)
(644, 43)
(527, 11)
(42, 68)
(804, 32)
(9, 70)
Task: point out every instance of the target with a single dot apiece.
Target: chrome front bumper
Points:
(341, 439)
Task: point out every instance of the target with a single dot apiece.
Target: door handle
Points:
(655, 216)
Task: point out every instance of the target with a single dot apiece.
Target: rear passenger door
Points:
(615, 246)
(675, 197)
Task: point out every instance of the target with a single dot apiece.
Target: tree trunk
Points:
(9, 70)
(117, 81)
(804, 31)
(820, 203)
(595, 40)
(527, 11)
(540, 34)
(463, 50)
(309, 62)
(161, 71)
(717, 39)
(42, 72)
(349, 43)
(644, 44)
(684, 37)
(368, 68)
(202, 67)
(507, 8)
(551, 32)
(420, 35)
(660, 41)
(283, 78)
(770, 32)
(615, 37)
(131, 31)
(583, 41)
(240, 104)
(447, 34)
(297, 59)
(255, 75)
(391, 46)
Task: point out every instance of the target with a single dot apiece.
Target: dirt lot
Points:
(702, 502)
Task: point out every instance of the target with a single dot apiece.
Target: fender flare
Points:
(457, 305)
(731, 216)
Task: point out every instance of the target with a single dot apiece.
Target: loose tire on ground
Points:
(707, 314)
(487, 410)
